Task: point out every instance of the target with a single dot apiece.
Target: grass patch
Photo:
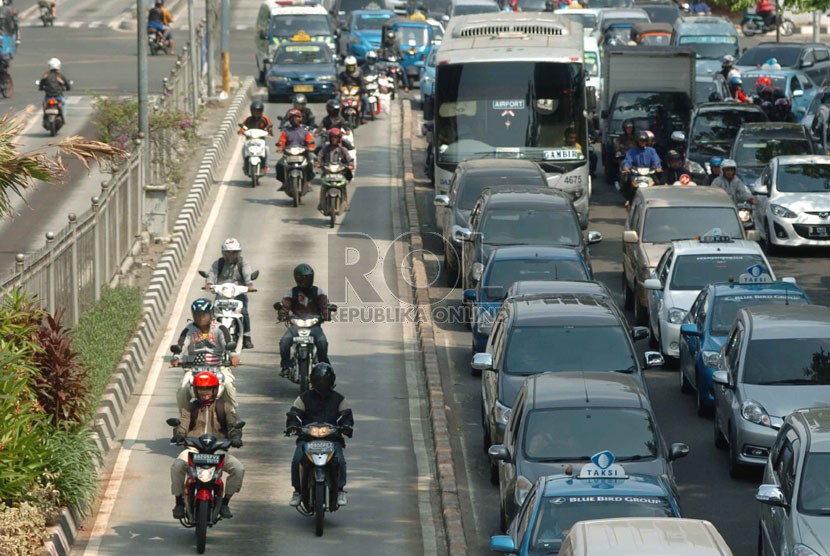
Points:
(103, 332)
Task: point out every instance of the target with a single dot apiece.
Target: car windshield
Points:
(756, 151)
(662, 14)
(474, 185)
(711, 47)
(290, 25)
(788, 361)
(655, 39)
(540, 349)
(504, 274)
(803, 178)
(574, 434)
(558, 514)
(371, 22)
(588, 20)
(665, 224)
(348, 6)
(611, 3)
(726, 307)
(693, 272)
(617, 34)
(814, 489)
(641, 108)
(472, 9)
(591, 67)
(412, 36)
(529, 226)
(718, 129)
(754, 57)
(303, 54)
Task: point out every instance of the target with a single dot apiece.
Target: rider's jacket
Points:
(313, 407)
(53, 83)
(306, 301)
(263, 122)
(299, 135)
(196, 344)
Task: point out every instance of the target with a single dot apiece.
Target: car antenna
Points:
(786, 296)
(585, 387)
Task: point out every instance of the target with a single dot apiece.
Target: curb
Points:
(115, 398)
(447, 485)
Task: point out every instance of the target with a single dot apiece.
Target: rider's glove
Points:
(177, 439)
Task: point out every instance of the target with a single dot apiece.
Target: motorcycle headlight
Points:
(676, 315)
(478, 268)
(228, 291)
(744, 215)
(485, 321)
(754, 412)
(502, 413)
(696, 168)
(803, 550)
(783, 212)
(277, 79)
(523, 486)
(711, 358)
(205, 474)
(327, 78)
(304, 323)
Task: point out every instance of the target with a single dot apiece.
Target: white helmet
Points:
(231, 244)
(54, 64)
(728, 163)
(350, 61)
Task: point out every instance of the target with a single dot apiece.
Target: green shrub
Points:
(102, 334)
(23, 525)
(71, 457)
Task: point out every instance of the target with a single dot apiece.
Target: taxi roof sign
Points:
(715, 235)
(755, 274)
(602, 466)
(301, 36)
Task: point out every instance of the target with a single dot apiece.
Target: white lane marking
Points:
(76, 24)
(95, 24)
(28, 12)
(60, 24)
(137, 418)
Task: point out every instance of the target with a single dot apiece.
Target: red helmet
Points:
(763, 81)
(294, 112)
(335, 132)
(206, 386)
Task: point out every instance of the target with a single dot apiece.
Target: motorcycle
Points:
(254, 153)
(46, 16)
(371, 87)
(745, 216)
(389, 74)
(347, 141)
(334, 192)
(185, 393)
(295, 161)
(318, 474)
(753, 24)
(350, 105)
(204, 488)
(304, 349)
(641, 177)
(6, 83)
(227, 309)
(157, 41)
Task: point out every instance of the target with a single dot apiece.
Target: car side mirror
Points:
(175, 349)
(482, 362)
(594, 237)
(689, 329)
(805, 64)
(653, 284)
(630, 236)
(653, 359)
(789, 280)
(762, 189)
(174, 422)
(771, 495)
(591, 98)
(503, 544)
(254, 275)
(441, 201)
(639, 333)
(469, 295)
(678, 450)
(263, 36)
(462, 234)
(498, 452)
(721, 377)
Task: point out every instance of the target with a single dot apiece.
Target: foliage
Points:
(103, 332)
(23, 525)
(70, 463)
(61, 383)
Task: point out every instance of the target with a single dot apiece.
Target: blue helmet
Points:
(735, 81)
(715, 161)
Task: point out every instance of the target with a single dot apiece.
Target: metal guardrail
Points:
(76, 263)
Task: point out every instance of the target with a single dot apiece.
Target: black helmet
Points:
(333, 105)
(322, 378)
(304, 275)
(715, 96)
(673, 155)
(642, 136)
(257, 106)
(201, 305)
(300, 99)
(628, 123)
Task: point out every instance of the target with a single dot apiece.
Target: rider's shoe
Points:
(295, 500)
(341, 498)
(247, 343)
(178, 509)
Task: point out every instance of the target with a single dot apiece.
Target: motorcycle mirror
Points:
(278, 306)
(174, 422)
(280, 118)
(239, 424)
(230, 346)
(255, 275)
(175, 348)
(71, 82)
(37, 83)
(203, 274)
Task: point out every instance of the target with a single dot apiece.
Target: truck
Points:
(636, 81)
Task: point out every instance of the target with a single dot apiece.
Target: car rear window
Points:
(529, 226)
(753, 150)
(787, 56)
(475, 184)
(694, 272)
(505, 273)
(665, 224)
(789, 361)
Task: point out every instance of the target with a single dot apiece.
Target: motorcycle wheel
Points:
(749, 29)
(787, 27)
(302, 369)
(7, 86)
(53, 127)
(202, 510)
(319, 508)
(332, 211)
(296, 194)
(255, 175)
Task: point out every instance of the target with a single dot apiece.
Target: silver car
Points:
(795, 493)
(774, 361)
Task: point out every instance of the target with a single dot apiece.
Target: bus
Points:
(512, 85)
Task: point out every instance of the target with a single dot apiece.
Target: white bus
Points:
(512, 85)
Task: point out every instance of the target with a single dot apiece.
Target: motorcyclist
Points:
(766, 10)
(781, 111)
(53, 83)
(320, 404)
(628, 138)
(232, 267)
(763, 81)
(389, 50)
(334, 151)
(352, 76)
(204, 339)
(159, 19)
(301, 103)
(295, 134)
(51, 4)
(641, 155)
(370, 63)
(258, 120)
(308, 299)
(732, 184)
(332, 120)
(736, 89)
(727, 66)
(714, 169)
(207, 415)
(674, 163)
(699, 7)
(9, 21)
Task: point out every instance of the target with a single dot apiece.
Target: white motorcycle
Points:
(228, 310)
(254, 153)
(371, 87)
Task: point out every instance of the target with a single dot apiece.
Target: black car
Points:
(468, 181)
(811, 58)
(659, 12)
(757, 144)
(506, 216)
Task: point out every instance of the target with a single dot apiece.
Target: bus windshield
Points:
(534, 110)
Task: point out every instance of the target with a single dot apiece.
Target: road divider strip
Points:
(115, 399)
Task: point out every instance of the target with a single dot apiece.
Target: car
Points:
(712, 131)
(773, 362)
(660, 12)
(660, 215)
(757, 144)
(473, 7)
(552, 333)
(452, 210)
(711, 37)
(361, 32)
(706, 85)
(617, 23)
(704, 330)
(795, 492)
(542, 288)
(559, 419)
(511, 264)
(556, 502)
(796, 85)
(690, 265)
(593, 64)
(587, 17)
(542, 216)
(426, 81)
(811, 58)
(810, 119)
(793, 202)
(302, 67)
(416, 39)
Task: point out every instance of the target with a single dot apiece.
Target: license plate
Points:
(303, 339)
(820, 231)
(51, 111)
(321, 446)
(206, 459)
(303, 88)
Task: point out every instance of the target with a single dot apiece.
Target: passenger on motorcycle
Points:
(159, 19)
(370, 63)
(208, 339)
(352, 76)
(727, 67)
(675, 169)
(736, 89)
(320, 404)
(258, 120)
(781, 111)
(732, 184)
(296, 134)
(232, 267)
(638, 156)
(714, 169)
(301, 103)
(304, 298)
(207, 415)
(53, 84)
(766, 10)
(389, 49)
(334, 151)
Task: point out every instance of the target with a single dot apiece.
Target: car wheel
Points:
(450, 271)
(720, 441)
(628, 295)
(468, 316)
(736, 470)
(703, 410)
(685, 386)
(653, 338)
(640, 312)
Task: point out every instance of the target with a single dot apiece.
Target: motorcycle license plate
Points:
(51, 111)
(320, 446)
(303, 88)
(206, 459)
(820, 231)
(303, 340)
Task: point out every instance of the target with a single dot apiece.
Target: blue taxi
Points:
(302, 66)
(601, 490)
(705, 328)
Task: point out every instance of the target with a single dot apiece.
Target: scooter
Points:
(227, 309)
(371, 88)
(641, 177)
(254, 153)
(304, 349)
(204, 488)
(745, 216)
(295, 163)
(350, 105)
(753, 24)
(156, 41)
(334, 192)
(52, 115)
(185, 393)
(46, 16)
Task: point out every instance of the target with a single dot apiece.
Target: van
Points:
(593, 69)
(644, 537)
(711, 37)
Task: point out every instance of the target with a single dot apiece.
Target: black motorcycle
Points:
(52, 115)
(304, 348)
(46, 16)
(6, 83)
(753, 24)
(294, 164)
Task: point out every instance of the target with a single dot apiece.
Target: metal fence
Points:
(72, 268)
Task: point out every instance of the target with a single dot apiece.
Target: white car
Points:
(687, 267)
(793, 202)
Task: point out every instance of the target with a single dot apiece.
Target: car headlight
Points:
(802, 550)
(277, 79)
(485, 321)
(783, 212)
(523, 486)
(502, 413)
(711, 358)
(676, 315)
(754, 412)
(478, 268)
(327, 78)
(205, 474)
